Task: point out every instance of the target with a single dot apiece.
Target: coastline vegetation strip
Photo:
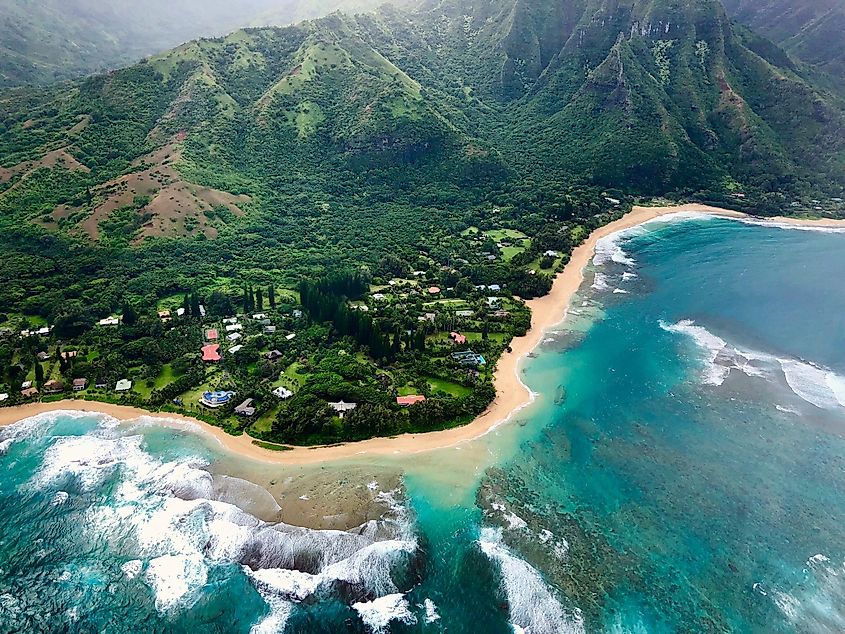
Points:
(511, 394)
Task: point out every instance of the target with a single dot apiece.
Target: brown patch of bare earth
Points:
(175, 207)
(50, 160)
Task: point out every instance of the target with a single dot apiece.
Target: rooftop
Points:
(412, 399)
(211, 352)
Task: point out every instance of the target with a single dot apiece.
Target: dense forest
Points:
(327, 231)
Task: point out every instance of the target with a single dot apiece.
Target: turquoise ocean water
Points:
(682, 470)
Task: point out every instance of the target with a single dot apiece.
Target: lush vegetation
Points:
(53, 40)
(353, 191)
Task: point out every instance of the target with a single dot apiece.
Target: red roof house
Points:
(406, 401)
(211, 334)
(211, 353)
(458, 338)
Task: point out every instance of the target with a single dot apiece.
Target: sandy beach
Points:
(512, 394)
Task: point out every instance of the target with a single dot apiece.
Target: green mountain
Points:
(53, 40)
(647, 96)
(809, 30)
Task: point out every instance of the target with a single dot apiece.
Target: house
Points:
(26, 385)
(480, 287)
(490, 258)
(430, 317)
(246, 408)
(407, 401)
(265, 322)
(101, 384)
(211, 334)
(43, 331)
(494, 287)
(216, 399)
(79, 384)
(70, 354)
(124, 385)
(273, 355)
(613, 201)
(342, 408)
(269, 330)
(4, 397)
(464, 313)
(211, 353)
(291, 336)
(5, 332)
(109, 321)
(180, 312)
(29, 392)
(434, 290)
(202, 310)
(297, 314)
(234, 336)
(164, 315)
(54, 387)
(230, 320)
(234, 327)
(501, 314)
(282, 393)
(379, 297)
(458, 338)
(42, 356)
(468, 358)
(235, 349)
(493, 301)
(259, 316)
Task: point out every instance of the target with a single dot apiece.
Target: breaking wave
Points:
(533, 607)
(817, 603)
(813, 383)
(167, 519)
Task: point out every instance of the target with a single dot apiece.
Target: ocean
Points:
(682, 469)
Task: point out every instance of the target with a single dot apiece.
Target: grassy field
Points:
(442, 385)
(165, 376)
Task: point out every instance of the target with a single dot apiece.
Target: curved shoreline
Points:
(512, 395)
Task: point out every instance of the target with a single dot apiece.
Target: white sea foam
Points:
(774, 224)
(628, 276)
(710, 344)
(176, 579)
(132, 568)
(533, 607)
(59, 498)
(431, 614)
(164, 513)
(600, 282)
(816, 603)
(514, 521)
(620, 291)
(814, 384)
(608, 249)
(379, 613)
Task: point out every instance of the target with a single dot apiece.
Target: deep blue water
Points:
(683, 470)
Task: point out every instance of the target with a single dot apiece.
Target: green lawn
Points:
(506, 234)
(442, 385)
(165, 377)
(265, 422)
(296, 374)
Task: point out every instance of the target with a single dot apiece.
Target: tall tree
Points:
(259, 298)
(271, 295)
(39, 374)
